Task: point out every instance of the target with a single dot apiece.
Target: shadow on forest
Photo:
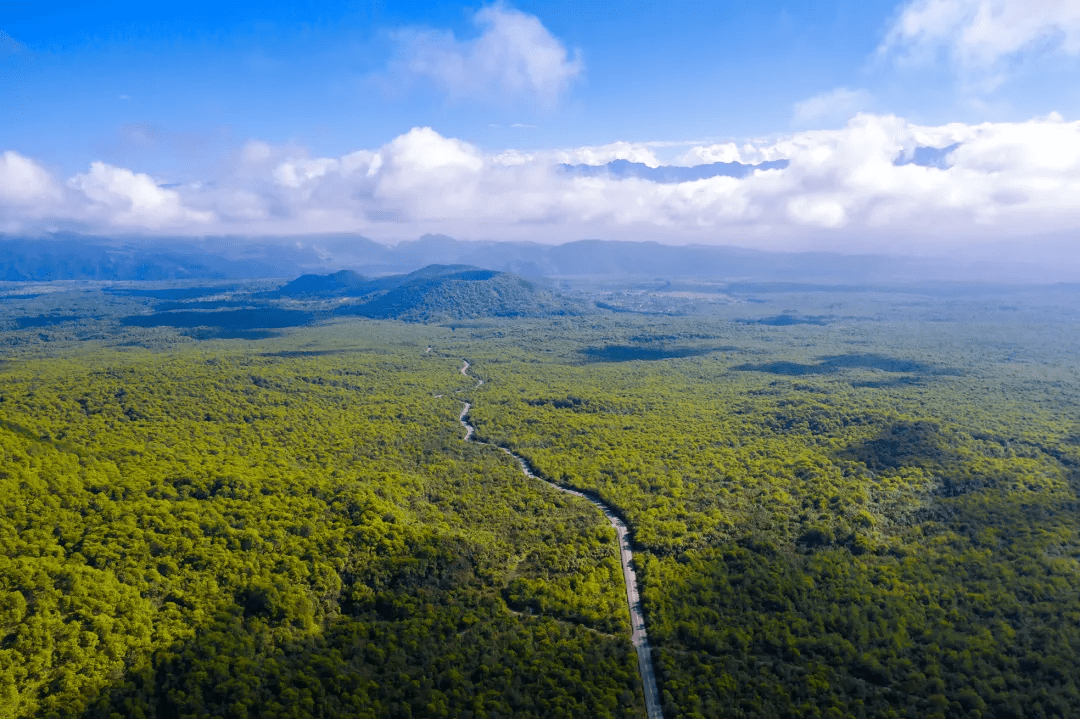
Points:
(252, 670)
(629, 353)
(45, 321)
(905, 381)
(201, 305)
(170, 293)
(249, 319)
(304, 353)
(835, 364)
(225, 333)
(786, 320)
(924, 444)
(404, 653)
(904, 444)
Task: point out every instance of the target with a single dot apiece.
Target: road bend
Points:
(639, 636)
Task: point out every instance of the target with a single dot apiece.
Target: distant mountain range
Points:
(69, 256)
(72, 256)
(666, 174)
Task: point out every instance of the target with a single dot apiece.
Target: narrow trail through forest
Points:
(639, 637)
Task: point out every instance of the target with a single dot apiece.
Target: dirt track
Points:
(626, 557)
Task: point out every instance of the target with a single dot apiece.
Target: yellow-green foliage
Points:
(850, 543)
(265, 530)
(865, 518)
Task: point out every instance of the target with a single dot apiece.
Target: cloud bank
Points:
(879, 183)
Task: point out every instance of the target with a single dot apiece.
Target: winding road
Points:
(639, 637)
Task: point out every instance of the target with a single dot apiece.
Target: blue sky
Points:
(183, 96)
(322, 74)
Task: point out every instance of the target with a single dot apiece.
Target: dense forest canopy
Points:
(869, 513)
(213, 532)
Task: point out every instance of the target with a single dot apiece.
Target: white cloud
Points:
(831, 108)
(256, 153)
(428, 174)
(294, 174)
(1005, 180)
(843, 188)
(25, 184)
(708, 154)
(121, 197)
(977, 34)
(603, 154)
(514, 57)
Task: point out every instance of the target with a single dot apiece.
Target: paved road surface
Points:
(637, 617)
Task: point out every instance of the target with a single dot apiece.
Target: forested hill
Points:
(463, 293)
(345, 283)
(348, 283)
(435, 292)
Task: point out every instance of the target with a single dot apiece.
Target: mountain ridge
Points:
(671, 174)
(69, 256)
